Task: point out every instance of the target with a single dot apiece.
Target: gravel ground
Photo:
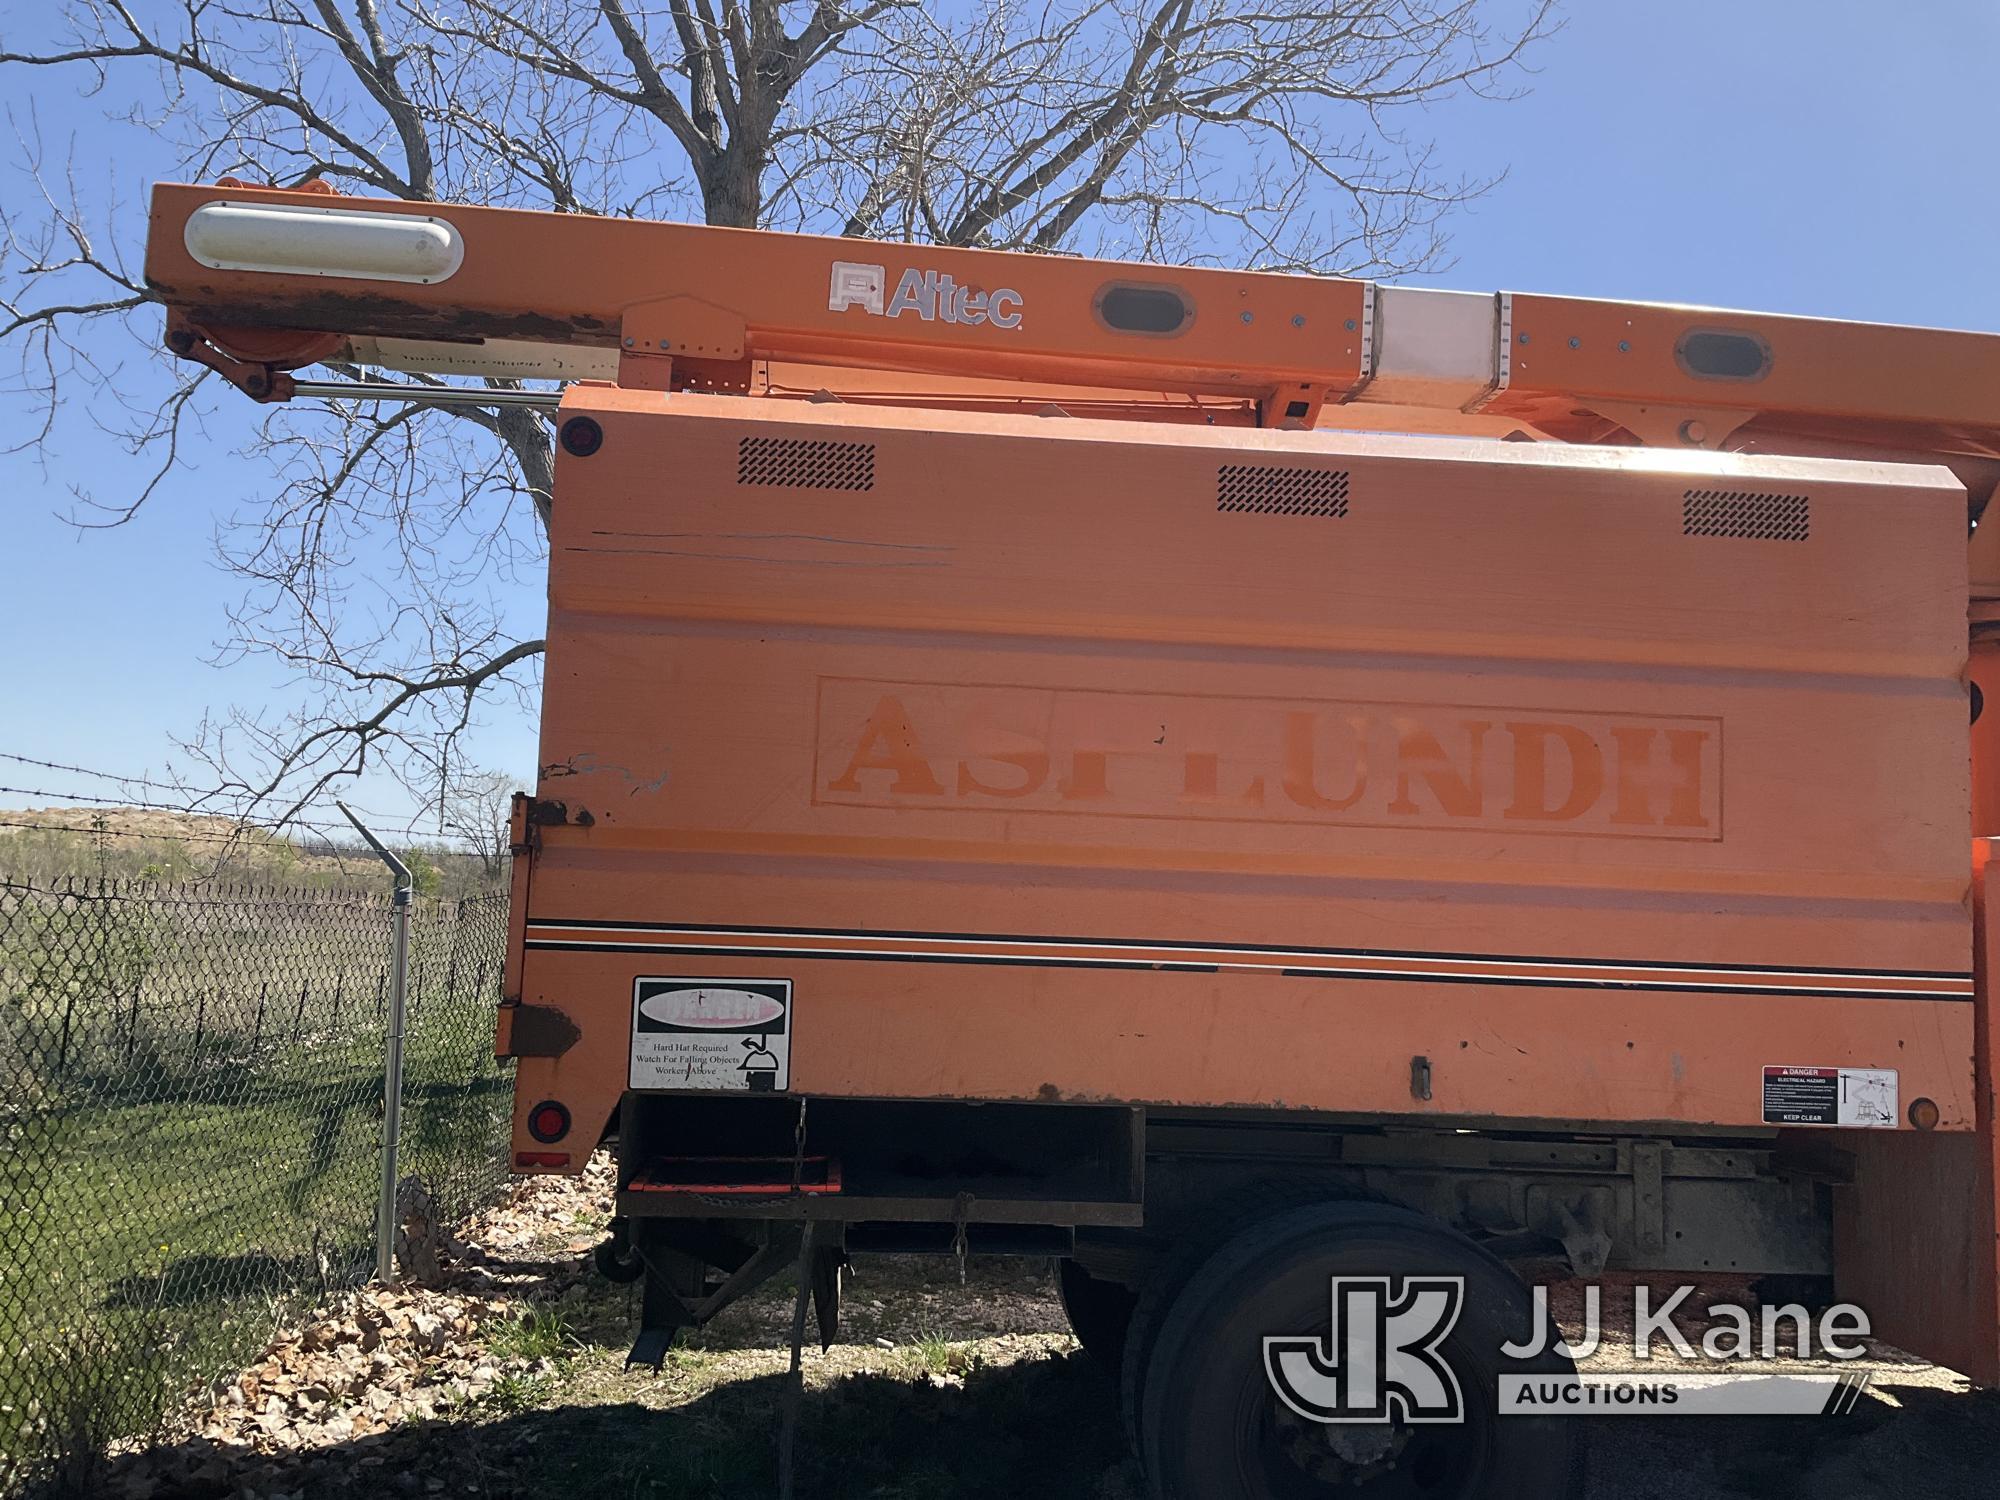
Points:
(510, 1381)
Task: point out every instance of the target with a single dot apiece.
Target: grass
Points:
(511, 1395)
(190, 1137)
(152, 1237)
(189, 1101)
(876, 1422)
(540, 1332)
(937, 1354)
(160, 845)
(178, 1219)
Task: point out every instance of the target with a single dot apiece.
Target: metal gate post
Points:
(392, 1081)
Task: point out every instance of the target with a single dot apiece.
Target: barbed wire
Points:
(267, 826)
(163, 786)
(165, 807)
(56, 765)
(210, 890)
(127, 833)
(35, 791)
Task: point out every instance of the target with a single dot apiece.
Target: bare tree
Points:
(478, 812)
(390, 560)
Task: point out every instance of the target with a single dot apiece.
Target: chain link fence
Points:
(190, 1128)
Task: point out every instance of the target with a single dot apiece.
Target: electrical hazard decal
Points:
(712, 1034)
(1865, 1097)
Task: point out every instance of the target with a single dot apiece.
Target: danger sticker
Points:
(1864, 1097)
(712, 1034)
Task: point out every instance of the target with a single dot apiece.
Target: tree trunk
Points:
(733, 195)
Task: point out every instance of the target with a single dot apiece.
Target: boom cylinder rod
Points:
(423, 395)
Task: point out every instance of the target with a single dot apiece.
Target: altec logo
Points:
(1256, 760)
(933, 296)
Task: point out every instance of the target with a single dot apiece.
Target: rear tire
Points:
(1100, 1312)
(1212, 1427)
(1220, 1220)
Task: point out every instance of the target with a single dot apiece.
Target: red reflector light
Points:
(541, 1158)
(548, 1121)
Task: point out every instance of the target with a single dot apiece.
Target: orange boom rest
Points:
(1050, 755)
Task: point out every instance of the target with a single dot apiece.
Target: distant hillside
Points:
(39, 845)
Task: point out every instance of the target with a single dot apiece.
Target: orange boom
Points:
(1166, 767)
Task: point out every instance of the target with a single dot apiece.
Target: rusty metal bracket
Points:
(536, 1031)
(688, 327)
(683, 341)
(1649, 1203)
(827, 1263)
(1676, 425)
(546, 812)
(258, 381)
(1295, 406)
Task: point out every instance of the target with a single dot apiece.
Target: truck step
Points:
(737, 1176)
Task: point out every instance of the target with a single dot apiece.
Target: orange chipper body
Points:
(1170, 698)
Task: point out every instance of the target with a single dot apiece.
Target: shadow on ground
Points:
(203, 1276)
(1044, 1427)
(955, 1381)
(1936, 1442)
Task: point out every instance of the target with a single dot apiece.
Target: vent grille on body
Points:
(1738, 513)
(1281, 490)
(801, 464)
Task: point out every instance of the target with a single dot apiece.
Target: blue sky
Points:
(1794, 155)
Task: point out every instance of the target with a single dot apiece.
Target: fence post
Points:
(62, 1046)
(392, 1083)
(451, 968)
(132, 1022)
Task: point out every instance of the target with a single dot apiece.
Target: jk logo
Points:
(1381, 1362)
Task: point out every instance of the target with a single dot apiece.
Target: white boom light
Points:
(302, 241)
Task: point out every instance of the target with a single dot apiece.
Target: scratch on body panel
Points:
(587, 764)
